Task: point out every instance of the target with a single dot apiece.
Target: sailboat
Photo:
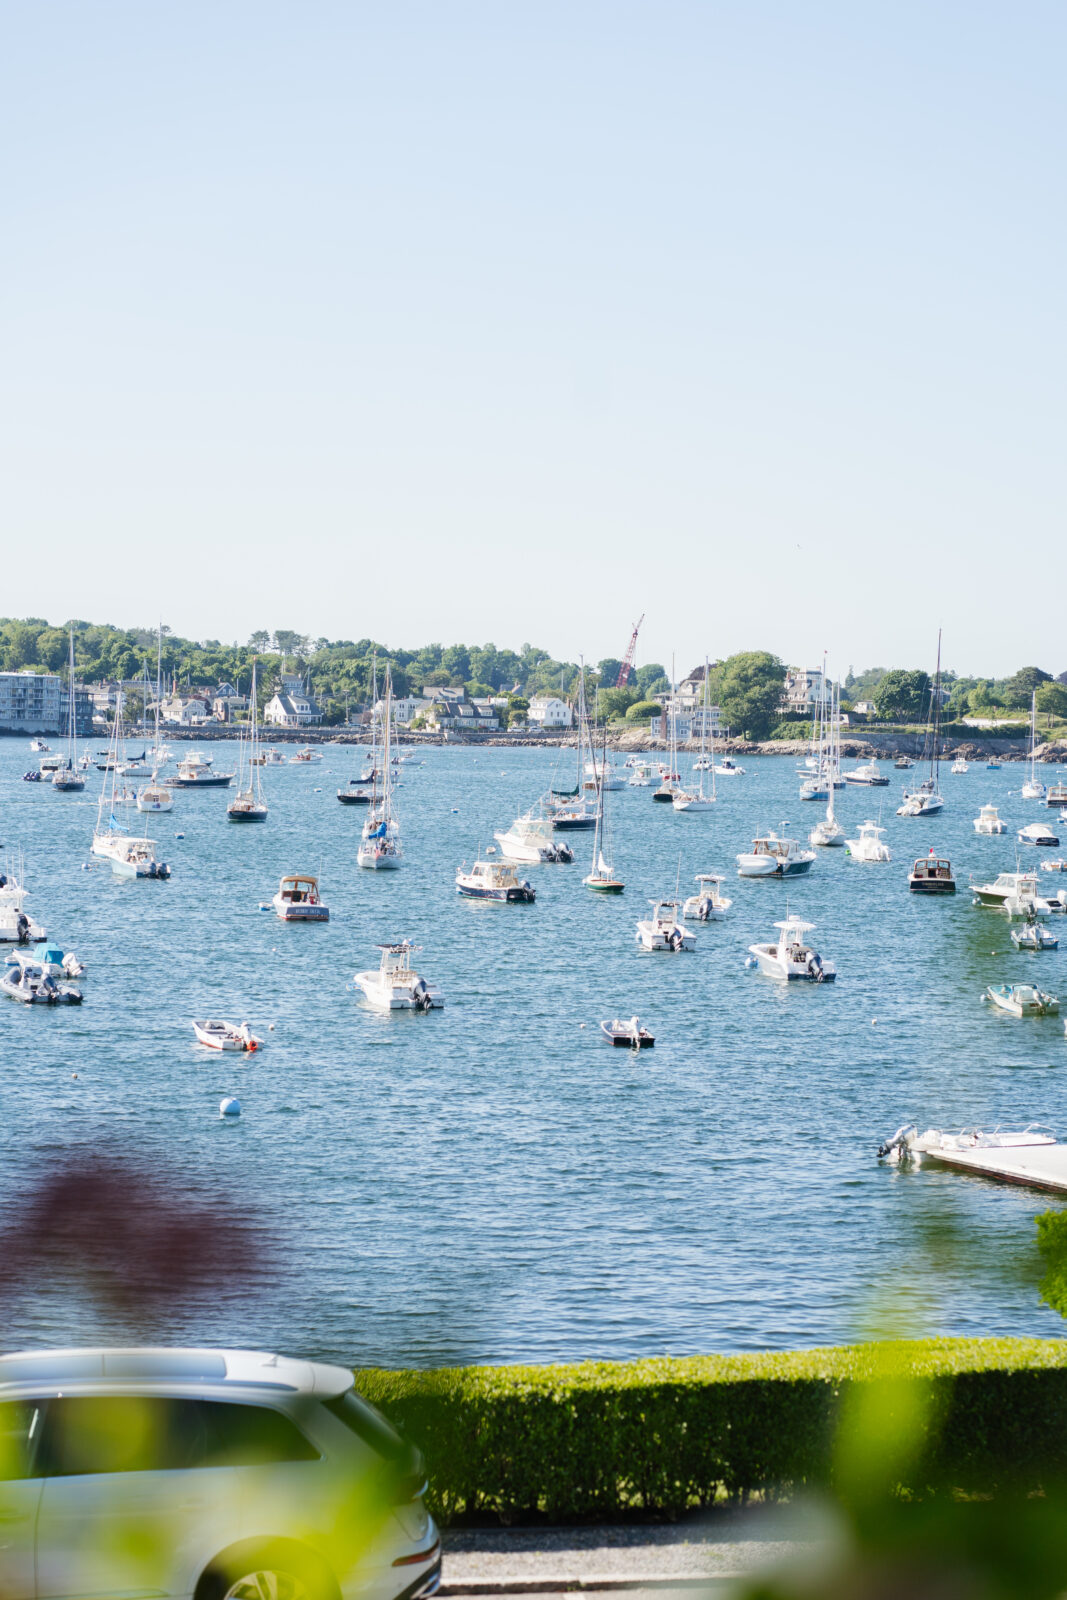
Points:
(154, 796)
(568, 809)
(379, 848)
(1033, 788)
(68, 778)
(829, 832)
(685, 799)
(927, 800)
(130, 857)
(160, 754)
(248, 804)
(602, 878)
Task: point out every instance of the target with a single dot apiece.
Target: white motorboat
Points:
(1011, 891)
(394, 985)
(922, 802)
(248, 804)
(67, 778)
(931, 874)
(1034, 936)
(774, 857)
(39, 747)
(16, 924)
(960, 766)
(154, 796)
(1057, 795)
(298, 899)
(908, 1141)
(662, 930)
(379, 847)
(989, 820)
(708, 904)
(50, 959)
(728, 768)
(52, 763)
(273, 758)
(304, 756)
(496, 881)
(869, 775)
(530, 839)
(28, 982)
(602, 774)
(1022, 1000)
(1037, 833)
(870, 846)
(1033, 788)
(1059, 865)
(642, 775)
(133, 769)
(791, 957)
(226, 1036)
(130, 856)
(628, 1034)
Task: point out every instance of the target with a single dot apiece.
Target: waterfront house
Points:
(291, 706)
(549, 711)
(805, 689)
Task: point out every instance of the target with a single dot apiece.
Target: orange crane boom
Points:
(628, 659)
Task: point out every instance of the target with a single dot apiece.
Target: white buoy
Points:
(230, 1107)
(270, 1027)
(750, 961)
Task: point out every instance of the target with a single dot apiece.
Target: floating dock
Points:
(1037, 1166)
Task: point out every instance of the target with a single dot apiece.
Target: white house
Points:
(184, 711)
(291, 706)
(405, 709)
(805, 688)
(548, 711)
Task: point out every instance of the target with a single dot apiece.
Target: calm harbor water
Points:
(493, 1182)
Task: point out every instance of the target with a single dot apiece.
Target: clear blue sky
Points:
(497, 321)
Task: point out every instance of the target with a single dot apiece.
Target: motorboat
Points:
(903, 763)
(662, 930)
(993, 766)
(989, 820)
(1059, 865)
(226, 1036)
(154, 797)
(195, 771)
(791, 957)
(39, 747)
(870, 846)
(708, 904)
(137, 768)
(1022, 1000)
(28, 982)
(959, 766)
(394, 985)
(304, 756)
(273, 758)
(641, 776)
(297, 899)
(1037, 833)
(1010, 890)
(728, 768)
(52, 763)
(248, 804)
(703, 764)
(51, 959)
(925, 801)
(628, 1035)
(774, 857)
(908, 1141)
(931, 874)
(16, 924)
(1034, 935)
(869, 776)
(602, 775)
(494, 881)
(530, 839)
(130, 856)
(1033, 788)
(1057, 794)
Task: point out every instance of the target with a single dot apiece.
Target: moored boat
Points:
(298, 899)
(218, 1035)
(662, 930)
(791, 958)
(989, 820)
(1022, 1000)
(774, 857)
(28, 982)
(629, 1035)
(493, 881)
(708, 904)
(869, 846)
(931, 874)
(394, 985)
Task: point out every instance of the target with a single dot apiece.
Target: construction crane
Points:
(628, 659)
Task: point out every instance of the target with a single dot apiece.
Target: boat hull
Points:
(510, 896)
(217, 780)
(253, 814)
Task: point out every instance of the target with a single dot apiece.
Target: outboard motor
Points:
(899, 1142)
(22, 927)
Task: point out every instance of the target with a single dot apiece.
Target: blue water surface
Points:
(493, 1182)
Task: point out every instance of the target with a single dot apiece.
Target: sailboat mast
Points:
(935, 754)
(72, 734)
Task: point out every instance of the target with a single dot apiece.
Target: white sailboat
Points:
(686, 799)
(154, 796)
(68, 778)
(571, 810)
(130, 856)
(1033, 788)
(248, 804)
(927, 800)
(829, 833)
(379, 848)
(602, 877)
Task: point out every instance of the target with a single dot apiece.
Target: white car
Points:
(205, 1475)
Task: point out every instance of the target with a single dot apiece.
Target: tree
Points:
(644, 711)
(615, 703)
(478, 691)
(608, 670)
(260, 640)
(902, 694)
(1052, 699)
(288, 642)
(751, 686)
(652, 672)
(1021, 685)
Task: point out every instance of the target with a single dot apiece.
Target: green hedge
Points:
(609, 1440)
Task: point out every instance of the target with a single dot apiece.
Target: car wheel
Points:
(266, 1573)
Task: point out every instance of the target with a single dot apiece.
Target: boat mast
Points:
(72, 729)
(387, 776)
(253, 769)
(935, 754)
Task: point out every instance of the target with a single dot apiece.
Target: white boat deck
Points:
(1037, 1166)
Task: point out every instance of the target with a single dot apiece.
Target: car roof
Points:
(148, 1367)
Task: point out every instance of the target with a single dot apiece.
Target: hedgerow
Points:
(659, 1436)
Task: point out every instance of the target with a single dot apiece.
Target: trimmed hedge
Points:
(656, 1437)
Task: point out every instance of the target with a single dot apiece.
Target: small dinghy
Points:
(1032, 936)
(1022, 1000)
(28, 981)
(627, 1035)
(224, 1036)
